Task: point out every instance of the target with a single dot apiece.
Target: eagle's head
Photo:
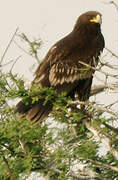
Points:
(90, 18)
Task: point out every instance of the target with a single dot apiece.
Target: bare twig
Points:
(99, 108)
(108, 74)
(21, 48)
(2, 58)
(111, 127)
(15, 63)
(110, 105)
(6, 63)
(103, 109)
(99, 70)
(80, 177)
(114, 67)
(112, 2)
(98, 89)
(113, 54)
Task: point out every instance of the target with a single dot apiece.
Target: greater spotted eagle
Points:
(69, 65)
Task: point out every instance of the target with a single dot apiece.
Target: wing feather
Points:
(68, 72)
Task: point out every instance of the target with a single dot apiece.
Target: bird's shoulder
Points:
(58, 52)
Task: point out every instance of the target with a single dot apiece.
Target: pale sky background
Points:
(49, 20)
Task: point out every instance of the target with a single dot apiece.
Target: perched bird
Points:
(69, 65)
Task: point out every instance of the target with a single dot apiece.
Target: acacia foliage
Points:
(66, 146)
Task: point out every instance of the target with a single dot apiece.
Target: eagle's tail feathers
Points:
(34, 113)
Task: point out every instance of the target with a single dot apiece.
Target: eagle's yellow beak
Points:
(96, 19)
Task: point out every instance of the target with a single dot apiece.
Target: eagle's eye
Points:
(89, 17)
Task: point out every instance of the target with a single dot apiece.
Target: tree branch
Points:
(99, 108)
(111, 127)
(7, 165)
(98, 89)
(103, 139)
(113, 54)
(102, 165)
